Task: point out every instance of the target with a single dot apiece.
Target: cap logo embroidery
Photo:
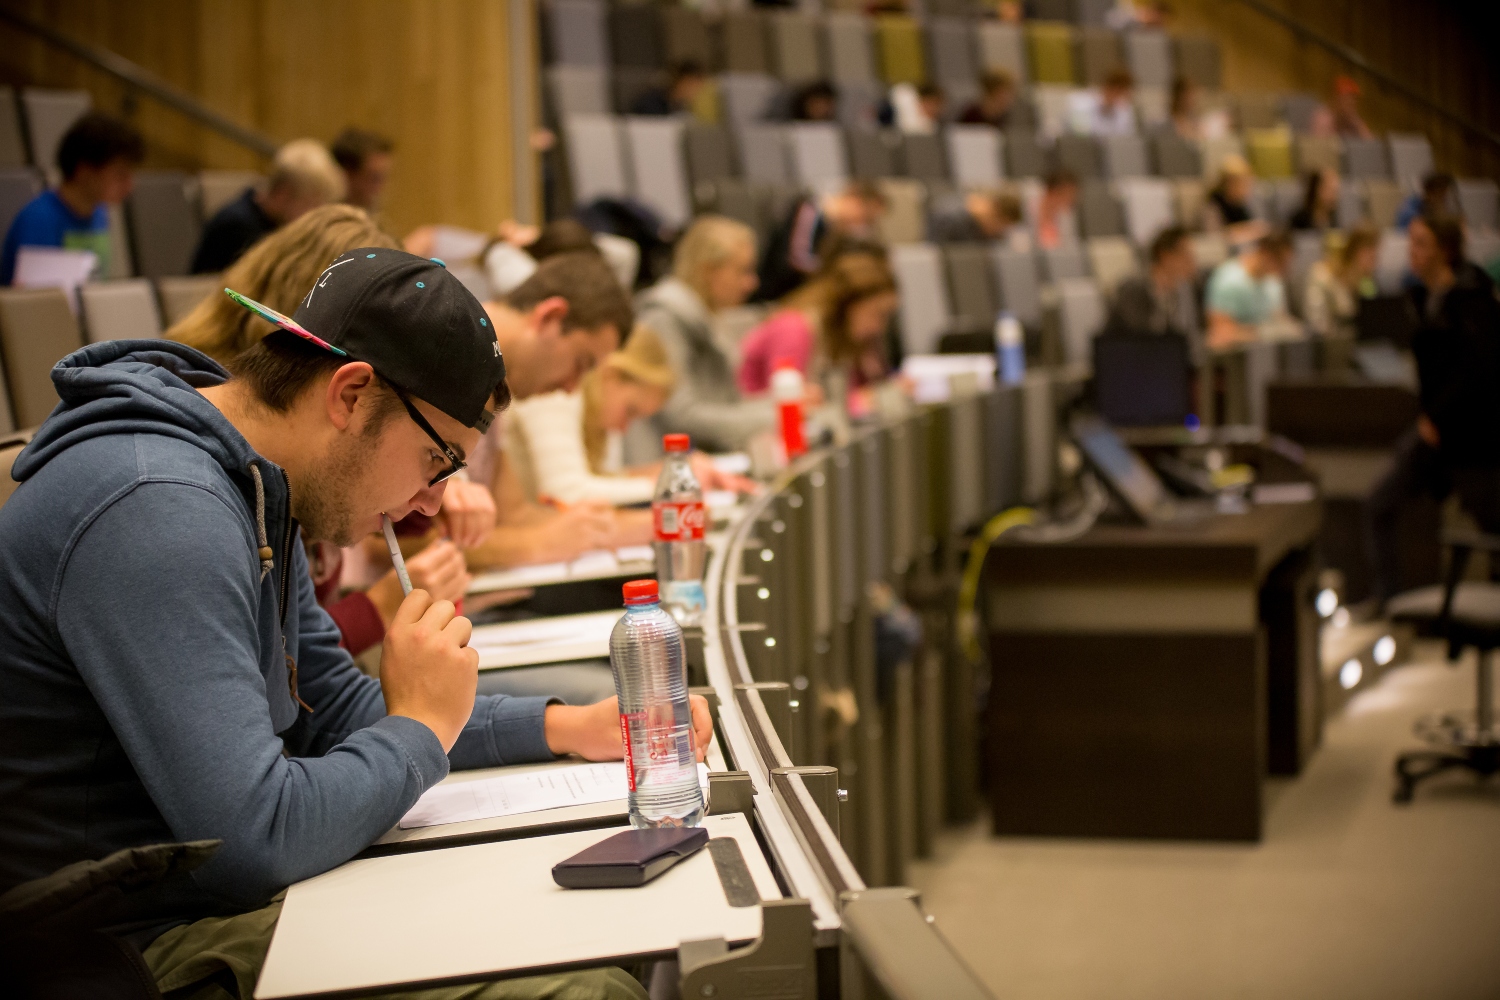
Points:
(323, 278)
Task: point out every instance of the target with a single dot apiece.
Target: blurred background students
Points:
(815, 102)
(833, 326)
(791, 254)
(303, 177)
(1055, 222)
(1435, 198)
(1161, 300)
(1347, 120)
(997, 97)
(366, 159)
(1335, 284)
(1185, 115)
(687, 79)
(97, 158)
(713, 269)
(1320, 202)
(978, 216)
(1228, 208)
(1246, 291)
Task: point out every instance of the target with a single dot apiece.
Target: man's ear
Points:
(547, 316)
(350, 394)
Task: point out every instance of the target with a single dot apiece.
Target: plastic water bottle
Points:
(1010, 349)
(677, 515)
(656, 720)
(786, 390)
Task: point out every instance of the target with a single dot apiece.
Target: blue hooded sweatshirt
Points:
(148, 653)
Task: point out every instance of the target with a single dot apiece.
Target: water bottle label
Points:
(629, 757)
(678, 522)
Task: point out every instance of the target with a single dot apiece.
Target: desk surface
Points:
(556, 639)
(1238, 547)
(492, 910)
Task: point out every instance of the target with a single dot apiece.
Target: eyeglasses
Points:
(454, 462)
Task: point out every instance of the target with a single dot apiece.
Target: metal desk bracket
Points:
(781, 965)
(731, 792)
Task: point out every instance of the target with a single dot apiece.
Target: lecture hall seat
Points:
(120, 310)
(12, 142)
(37, 330)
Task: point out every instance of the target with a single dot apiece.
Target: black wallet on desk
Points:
(631, 858)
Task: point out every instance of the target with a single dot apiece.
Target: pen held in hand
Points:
(395, 547)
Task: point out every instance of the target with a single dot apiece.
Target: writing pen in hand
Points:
(395, 547)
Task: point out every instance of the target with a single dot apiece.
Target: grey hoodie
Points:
(146, 655)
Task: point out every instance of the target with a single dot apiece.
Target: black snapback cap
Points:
(409, 319)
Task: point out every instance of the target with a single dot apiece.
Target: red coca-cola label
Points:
(678, 522)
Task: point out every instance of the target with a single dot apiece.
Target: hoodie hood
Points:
(678, 298)
(136, 387)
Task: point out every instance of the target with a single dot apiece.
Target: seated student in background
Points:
(1247, 291)
(1161, 301)
(1335, 284)
(919, 110)
(1185, 117)
(1455, 447)
(997, 96)
(303, 177)
(1347, 120)
(832, 326)
(815, 102)
(713, 269)
(1111, 111)
(685, 82)
(791, 255)
(97, 158)
(569, 446)
(1055, 224)
(1435, 198)
(366, 159)
(168, 675)
(1228, 208)
(277, 272)
(553, 329)
(1320, 202)
(977, 217)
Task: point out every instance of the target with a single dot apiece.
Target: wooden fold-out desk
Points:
(492, 911)
(1144, 680)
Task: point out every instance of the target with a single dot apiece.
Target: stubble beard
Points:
(325, 503)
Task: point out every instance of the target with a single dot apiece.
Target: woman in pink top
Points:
(836, 320)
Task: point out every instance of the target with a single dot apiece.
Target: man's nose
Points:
(430, 500)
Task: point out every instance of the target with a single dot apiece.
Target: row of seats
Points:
(156, 231)
(852, 49)
(32, 127)
(38, 327)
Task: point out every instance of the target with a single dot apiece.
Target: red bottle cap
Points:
(640, 591)
(676, 442)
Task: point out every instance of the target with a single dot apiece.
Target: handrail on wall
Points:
(143, 80)
(1357, 59)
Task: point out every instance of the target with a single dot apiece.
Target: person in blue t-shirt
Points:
(97, 157)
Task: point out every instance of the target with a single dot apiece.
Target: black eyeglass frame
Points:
(455, 464)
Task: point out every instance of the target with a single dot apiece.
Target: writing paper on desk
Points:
(524, 792)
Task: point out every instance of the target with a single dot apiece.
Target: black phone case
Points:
(630, 858)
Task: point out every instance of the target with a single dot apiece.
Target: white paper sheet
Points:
(635, 554)
(509, 794)
(53, 267)
(596, 565)
(591, 627)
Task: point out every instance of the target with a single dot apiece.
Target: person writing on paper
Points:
(278, 271)
(168, 492)
(303, 177)
(1246, 291)
(554, 326)
(569, 446)
(834, 325)
(97, 158)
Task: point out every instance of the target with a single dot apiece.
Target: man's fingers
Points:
(459, 629)
(439, 614)
(413, 608)
(703, 724)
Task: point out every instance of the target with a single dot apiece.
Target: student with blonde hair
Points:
(713, 269)
(277, 271)
(304, 176)
(1336, 283)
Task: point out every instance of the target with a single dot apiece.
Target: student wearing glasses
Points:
(168, 673)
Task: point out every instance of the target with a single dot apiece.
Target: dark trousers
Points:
(1418, 469)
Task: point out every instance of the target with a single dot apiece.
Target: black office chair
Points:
(1466, 614)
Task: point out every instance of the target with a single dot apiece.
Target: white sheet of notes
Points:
(523, 792)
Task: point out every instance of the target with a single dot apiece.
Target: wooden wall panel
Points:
(1443, 50)
(431, 74)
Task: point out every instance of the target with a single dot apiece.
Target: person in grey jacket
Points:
(713, 269)
(168, 672)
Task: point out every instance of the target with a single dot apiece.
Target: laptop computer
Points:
(1142, 379)
(1134, 482)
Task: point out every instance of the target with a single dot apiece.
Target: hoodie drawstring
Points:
(266, 552)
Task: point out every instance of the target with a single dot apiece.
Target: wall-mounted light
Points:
(763, 593)
(1350, 673)
(1340, 618)
(1385, 650)
(1327, 602)
(766, 555)
(770, 641)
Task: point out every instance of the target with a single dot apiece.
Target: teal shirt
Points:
(1233, 292)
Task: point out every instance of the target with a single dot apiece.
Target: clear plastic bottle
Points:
(678, 515)
(656, 720)
(1010, 349)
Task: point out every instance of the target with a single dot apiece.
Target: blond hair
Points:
(277, 271)
(708, 243)
(644, 361)
(308, 168)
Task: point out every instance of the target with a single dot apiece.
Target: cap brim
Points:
(288, 324)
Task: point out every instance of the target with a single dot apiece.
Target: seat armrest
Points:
(1464, 538)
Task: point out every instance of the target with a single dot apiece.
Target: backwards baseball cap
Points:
(409, 319)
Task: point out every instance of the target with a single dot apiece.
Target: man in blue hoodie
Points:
(168, 674)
